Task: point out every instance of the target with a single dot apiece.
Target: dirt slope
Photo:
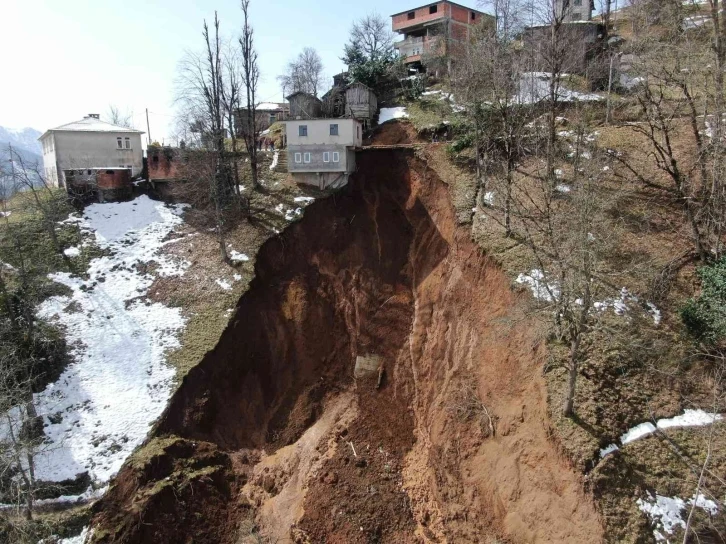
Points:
(449, 443)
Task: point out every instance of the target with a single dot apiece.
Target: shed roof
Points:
(301, 92)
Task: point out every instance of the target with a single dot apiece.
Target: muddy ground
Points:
(271, 438)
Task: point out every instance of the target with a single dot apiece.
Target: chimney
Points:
(94, 115)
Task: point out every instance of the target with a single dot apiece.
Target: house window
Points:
(576, 16)
(433, 9)
(273, 118)
(302, 130)
(307, 157)
(411, 15)
(473, 15)
(577, 3)
(119, 143)
(334, 129)
(298, 158)
(336, 156)
(128, 143)
(89, 172)
(326, 156)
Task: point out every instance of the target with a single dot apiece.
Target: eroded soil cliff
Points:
(272, 439)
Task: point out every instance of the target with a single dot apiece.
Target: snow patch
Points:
(104, 403)
(666, 513)
(637, 432)
(224, 284)
(304, 199)
(275, 158)
(535, 280)
(72, 252)
(489, 198)
(689, 418)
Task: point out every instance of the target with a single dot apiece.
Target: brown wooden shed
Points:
(304, 106)
(360, 102)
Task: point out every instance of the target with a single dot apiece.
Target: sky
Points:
(63, 59)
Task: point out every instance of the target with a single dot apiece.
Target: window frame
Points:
(336, 156)
(307, 157)
(119, 142)
(334, 130)
(326, 156)
(127, 143)
(302, 131)
(298, 158)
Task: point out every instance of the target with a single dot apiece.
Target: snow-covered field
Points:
(104, 403)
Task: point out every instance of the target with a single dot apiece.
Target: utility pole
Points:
(148, 130)
(12, 164)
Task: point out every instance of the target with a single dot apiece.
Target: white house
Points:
(321, 152)
(90, 144)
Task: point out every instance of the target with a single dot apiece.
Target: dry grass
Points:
(634, 370)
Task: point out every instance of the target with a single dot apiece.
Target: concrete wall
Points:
(78, 149)
(350, 132)
(346, 156)
(50, 165)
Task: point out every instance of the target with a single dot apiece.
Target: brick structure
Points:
(163, 163)
(435, 29)
(101, 184)
(113, 185)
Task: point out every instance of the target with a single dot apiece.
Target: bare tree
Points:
(231, 88)
(485, 79)
(565, 229)
(250, 79)
(116, 117)
(303, 74)
(200, 91)
(373, 35)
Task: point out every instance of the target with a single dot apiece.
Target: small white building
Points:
(90, 144)
(321, 152)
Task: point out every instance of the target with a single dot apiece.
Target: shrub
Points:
(705, 316)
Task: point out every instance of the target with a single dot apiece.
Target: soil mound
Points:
(443, 439)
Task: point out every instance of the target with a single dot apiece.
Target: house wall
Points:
(457, 13)
(584, 52)
(50, 165)
(422, 15)
(350, 132)
(583, 12)
(317, 164)
(79, 149)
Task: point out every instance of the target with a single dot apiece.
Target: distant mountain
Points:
(24, 141)
(27, 150)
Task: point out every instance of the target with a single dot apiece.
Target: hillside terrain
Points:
(509, 326)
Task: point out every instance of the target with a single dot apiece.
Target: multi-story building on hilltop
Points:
(434, 30)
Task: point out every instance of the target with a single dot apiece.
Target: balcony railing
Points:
(414, 46)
